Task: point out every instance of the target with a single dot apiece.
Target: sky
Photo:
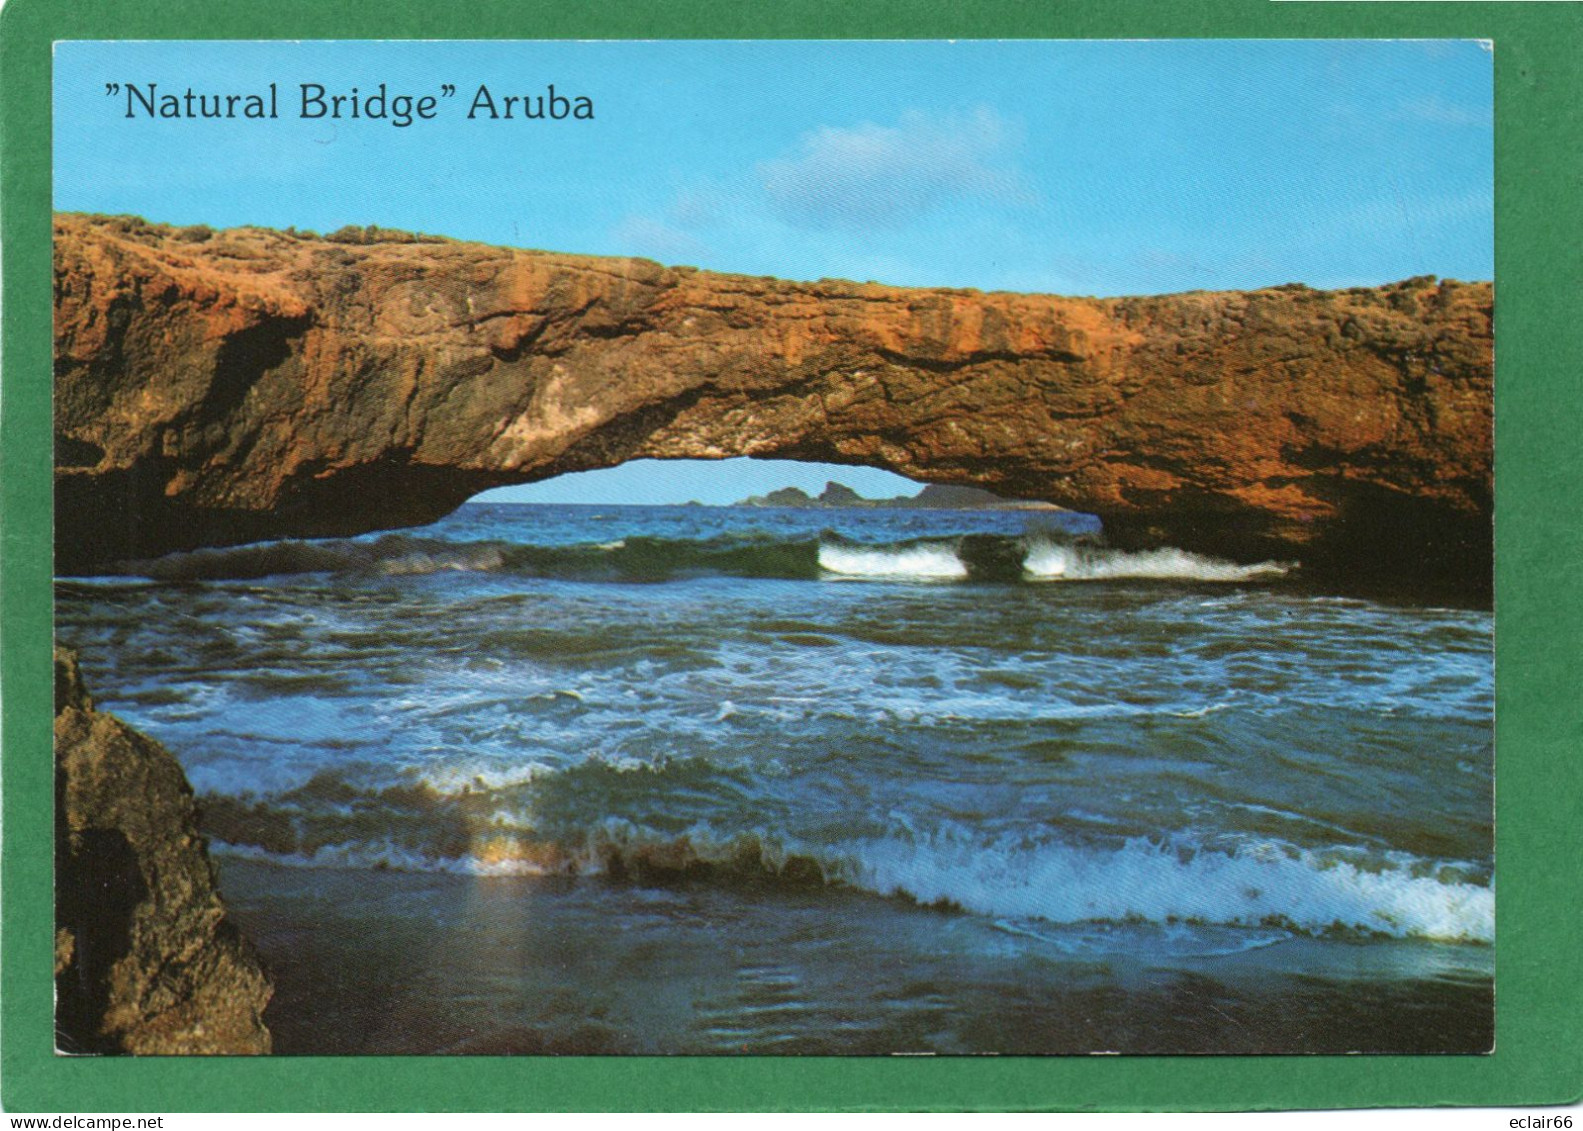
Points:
(1073, 167)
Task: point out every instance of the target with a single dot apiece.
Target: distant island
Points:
(933, 497)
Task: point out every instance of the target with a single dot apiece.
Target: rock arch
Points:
(221, 387)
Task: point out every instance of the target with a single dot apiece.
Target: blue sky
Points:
(1067, 166)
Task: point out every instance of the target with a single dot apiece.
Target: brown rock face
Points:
(145, 959)
(248, 384)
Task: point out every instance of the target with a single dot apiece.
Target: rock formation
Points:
(215, 388)
(145, 959)
(932, 497)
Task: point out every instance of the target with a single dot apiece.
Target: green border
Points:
(1539, 1020)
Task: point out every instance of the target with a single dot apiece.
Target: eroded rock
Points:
(253, 384)
(145, 959)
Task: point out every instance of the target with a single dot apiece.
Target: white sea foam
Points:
(1258, 884)
(1261, 884)
(466, 777)
(456, 779)
(501, 855)
(922, 561)
(1054, 561)
(486, 559)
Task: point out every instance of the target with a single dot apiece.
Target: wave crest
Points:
(479, 830)
(961, 557)
(1259, 884)
(1057, 561)
(922, 561)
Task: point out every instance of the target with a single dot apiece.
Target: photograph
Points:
(772, 548)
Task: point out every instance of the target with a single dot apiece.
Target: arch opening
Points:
(651, 482)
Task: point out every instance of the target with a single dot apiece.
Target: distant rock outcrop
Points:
(933, 497)
(834, 495)
(145, 959)
(214, 388)
(839, 495)
(784, 497)
(943, 496)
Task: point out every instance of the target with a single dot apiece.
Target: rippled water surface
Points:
(719, 779)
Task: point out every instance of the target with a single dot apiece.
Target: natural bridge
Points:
(222, 387)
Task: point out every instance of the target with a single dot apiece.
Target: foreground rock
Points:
(145, 959)
(214, 388)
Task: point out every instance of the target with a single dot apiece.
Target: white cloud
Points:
(868, 174)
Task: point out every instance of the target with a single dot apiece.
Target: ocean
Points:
(612, 779)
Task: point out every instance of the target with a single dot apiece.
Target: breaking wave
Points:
(922, 561)
(1055, 561)
(964, 557)
(483, 831)
(1259, 883)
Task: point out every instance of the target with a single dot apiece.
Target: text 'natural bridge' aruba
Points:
(311, 101)
(215, 388)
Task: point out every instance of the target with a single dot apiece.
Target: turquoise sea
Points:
(724, 780)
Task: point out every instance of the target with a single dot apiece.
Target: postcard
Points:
(572, 552)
